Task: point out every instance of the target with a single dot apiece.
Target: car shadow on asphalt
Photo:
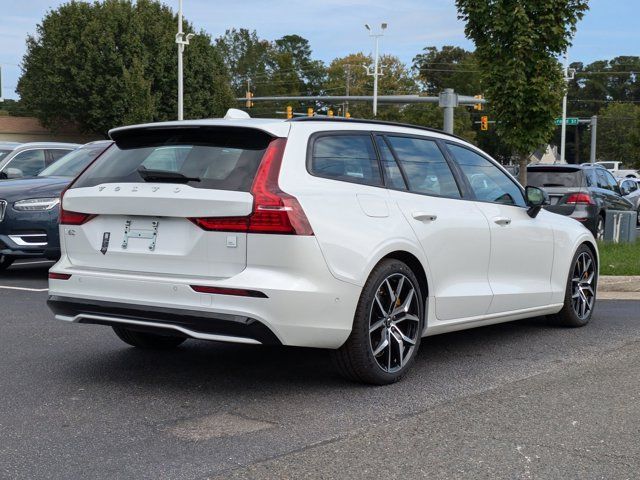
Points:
(211, 366)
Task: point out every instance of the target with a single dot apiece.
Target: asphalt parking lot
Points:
(518, 400)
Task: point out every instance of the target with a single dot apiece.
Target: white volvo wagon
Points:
(356, 236)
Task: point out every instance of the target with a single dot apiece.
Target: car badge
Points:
(101, 188)
(155, 189)
(176, 190)
(117, 189)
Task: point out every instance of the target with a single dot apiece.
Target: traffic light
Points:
(484, 123)
(478, 106)
(330, 113)
(249, 103)
(289, 111)
(310, 112)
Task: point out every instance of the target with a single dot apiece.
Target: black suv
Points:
(584, 192)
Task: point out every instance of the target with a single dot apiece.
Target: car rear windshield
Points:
(220, 158)
(554, 177)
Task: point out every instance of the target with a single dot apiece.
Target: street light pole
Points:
(377, 71)
(181, 40)
(568, 75)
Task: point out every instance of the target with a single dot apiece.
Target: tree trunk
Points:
(522, 173)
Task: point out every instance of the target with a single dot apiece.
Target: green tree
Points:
(110, 63)
(449, 67)
(517, 43)
(349, 70)
(619, 134)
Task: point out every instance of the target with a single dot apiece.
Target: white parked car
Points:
(618, 170)
(356, 236)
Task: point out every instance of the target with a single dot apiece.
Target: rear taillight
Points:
(580, 198)
(73, 218)
(274, 211)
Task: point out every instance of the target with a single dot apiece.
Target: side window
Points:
(611, 181)
(30, 162)
(56, 154)
(488, 182)
(592, 179)
(606, 180)
(349, 158)
(425, 167)
(392, 174)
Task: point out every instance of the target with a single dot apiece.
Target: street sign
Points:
(570, 121)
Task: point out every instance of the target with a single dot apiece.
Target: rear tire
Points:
(387, 327)
(580, 295)
(5, 262)
(148, 341)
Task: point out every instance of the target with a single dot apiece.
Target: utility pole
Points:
(568, 75)
(376, 70)
(182, 41)
(347, 75)
(594, 132)
(448, 101)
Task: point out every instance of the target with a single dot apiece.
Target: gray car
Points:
(29, 159)
(630, 189)
(584, 192)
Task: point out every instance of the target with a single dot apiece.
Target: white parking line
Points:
(25, 289)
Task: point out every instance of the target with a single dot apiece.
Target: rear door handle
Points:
(503, 221)
(424, 217)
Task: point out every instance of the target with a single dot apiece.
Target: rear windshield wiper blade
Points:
(149, 175)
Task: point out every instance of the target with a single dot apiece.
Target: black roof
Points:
(322, 118)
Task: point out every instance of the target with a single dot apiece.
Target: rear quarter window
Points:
(345, 157)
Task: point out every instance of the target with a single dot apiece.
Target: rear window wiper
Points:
(149, 175)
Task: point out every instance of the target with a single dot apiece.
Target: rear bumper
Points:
(187, 323)
(587, 215)
(305, 305)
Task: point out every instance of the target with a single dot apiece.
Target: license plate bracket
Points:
(147, 233)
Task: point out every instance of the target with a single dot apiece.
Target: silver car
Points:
(29, 159)
(630, 189)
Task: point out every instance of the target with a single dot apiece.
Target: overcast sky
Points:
(335, 27)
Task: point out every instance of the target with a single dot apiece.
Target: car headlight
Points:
(36, 204)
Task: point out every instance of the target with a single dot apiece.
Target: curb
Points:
(614, 283)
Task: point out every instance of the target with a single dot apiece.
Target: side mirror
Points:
(624, 190)
(536, 199)
(14, 173)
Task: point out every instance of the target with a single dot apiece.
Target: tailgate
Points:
(146, 228)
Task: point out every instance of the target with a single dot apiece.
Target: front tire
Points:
(147, 341)
(387, 327)
(5, 262)
(580, 295)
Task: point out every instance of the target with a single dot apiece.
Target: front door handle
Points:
(424, 217)
(502, 221)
